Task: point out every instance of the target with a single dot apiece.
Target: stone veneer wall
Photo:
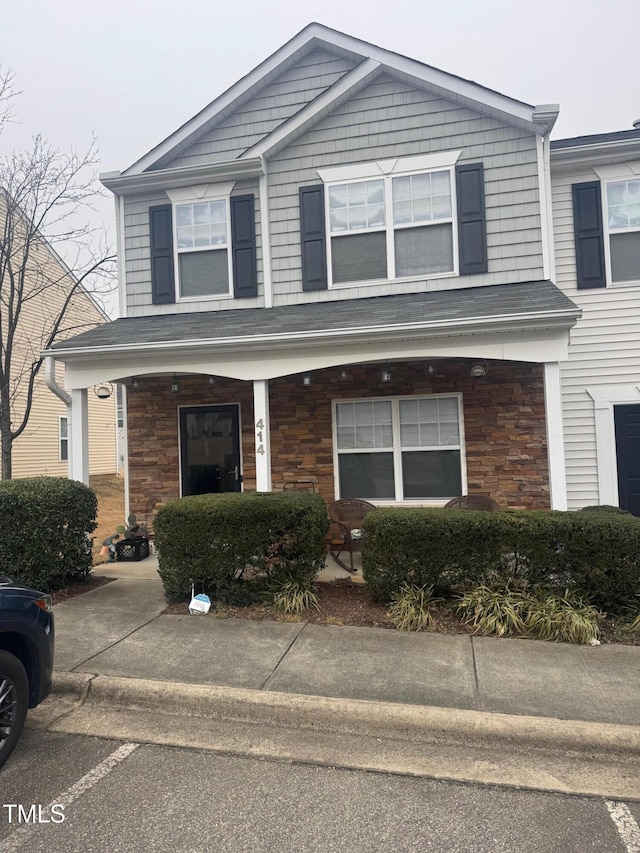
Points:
(504, 426)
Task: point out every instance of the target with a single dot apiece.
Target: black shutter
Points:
(312, 238)
(588, 234)
(163, 289)
(243, 247)
(472, 227)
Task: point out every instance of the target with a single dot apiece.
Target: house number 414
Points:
(259, 439)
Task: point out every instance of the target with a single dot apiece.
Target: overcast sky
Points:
(133, 71)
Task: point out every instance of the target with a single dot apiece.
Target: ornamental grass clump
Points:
(500, 611)
(411, 607)
(295, 596)
(567, 617)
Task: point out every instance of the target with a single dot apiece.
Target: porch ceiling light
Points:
(103, 392)
(343, 375)
(479, 369)
(135, 384)
(175, 387)
(386, 375)
(306, 380)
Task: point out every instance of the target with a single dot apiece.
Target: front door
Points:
(209, 449)
(627, 423)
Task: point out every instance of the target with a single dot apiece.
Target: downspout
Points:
(52, 385)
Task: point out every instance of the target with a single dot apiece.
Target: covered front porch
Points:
(413, 400)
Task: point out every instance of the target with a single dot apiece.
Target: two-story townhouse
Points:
(340, 271)
(596, 208)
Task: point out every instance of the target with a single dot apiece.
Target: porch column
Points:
(555, 438)
(79, 437)
(262, 434)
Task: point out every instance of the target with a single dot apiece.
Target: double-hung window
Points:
(63, 439)
(202, 241)
(392, 219)
(623, 222)
(399, 448)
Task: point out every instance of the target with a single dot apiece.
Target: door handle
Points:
(236, 473)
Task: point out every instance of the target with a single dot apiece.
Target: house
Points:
(340, 271)
(596, 209)
(43, 448)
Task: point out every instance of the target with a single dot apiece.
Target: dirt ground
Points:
(109, 489)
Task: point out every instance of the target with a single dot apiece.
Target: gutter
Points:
(182, 176)
(52, 385)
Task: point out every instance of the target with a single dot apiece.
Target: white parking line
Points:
(20, 836)
(625, 823)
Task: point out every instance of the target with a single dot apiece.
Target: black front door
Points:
(209, 449)
(627, 423)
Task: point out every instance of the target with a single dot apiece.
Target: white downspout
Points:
(52, 385)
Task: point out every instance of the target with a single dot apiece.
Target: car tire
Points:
(14, 701)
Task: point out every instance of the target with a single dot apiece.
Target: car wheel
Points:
(14, 701)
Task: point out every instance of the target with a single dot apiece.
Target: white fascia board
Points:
(509, 322)
(183, 176)
(599, 151)
(396, 166)
(342, 89)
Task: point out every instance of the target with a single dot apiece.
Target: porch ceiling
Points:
(258, 342)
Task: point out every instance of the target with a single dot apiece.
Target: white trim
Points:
(64, 418)
(395, 166)
(265, 238)
(208, 406)
(555, 438)
(313, 35)
(262, 435)
(182, 176)
(605, 397)
(78, 429)
(313, 112)
(396, 448)
(200, 192)
(544, 189)
(125, 414)
(121, 254)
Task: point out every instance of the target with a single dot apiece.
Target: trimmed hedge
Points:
(597, 553)
(222, 542)
(45, 524)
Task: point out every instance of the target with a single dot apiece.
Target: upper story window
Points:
(399, 448)
(407, 217)
(202, 237)
(392, 227)
(623, 223)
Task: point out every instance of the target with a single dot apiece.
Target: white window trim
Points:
(397, 450)
(605, 398)
(62, 438)
(193, 195)
(609, 175)
(387, 170)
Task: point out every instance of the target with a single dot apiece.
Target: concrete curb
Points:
(385, 720)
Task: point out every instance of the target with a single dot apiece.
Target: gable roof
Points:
(316, 36)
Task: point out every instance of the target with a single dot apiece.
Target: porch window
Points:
(623, 221)
(63, 439)
(398, 449)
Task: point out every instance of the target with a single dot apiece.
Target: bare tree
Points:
(45, 199)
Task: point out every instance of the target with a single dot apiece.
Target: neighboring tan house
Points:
(596, 208)
(44, 447)
(340, 271)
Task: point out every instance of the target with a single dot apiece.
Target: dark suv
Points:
(26, 657)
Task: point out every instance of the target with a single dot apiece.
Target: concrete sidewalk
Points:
(118, 630)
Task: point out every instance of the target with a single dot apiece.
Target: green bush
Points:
(227, 544)
(606, 508)
(596, 553)
(45, 524)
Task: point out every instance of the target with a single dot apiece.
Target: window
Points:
(399, 448)
(120, 406)
(63, 439)
(202, 241)
(392, 227)
(623, 222)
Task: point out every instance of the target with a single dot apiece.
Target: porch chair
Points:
(347, 515)
(478, 502)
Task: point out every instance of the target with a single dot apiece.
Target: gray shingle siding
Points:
(262, 114)
(391, 119)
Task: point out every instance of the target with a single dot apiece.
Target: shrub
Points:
(563, 617)
(296, 596)
(597, 553)
(495, 610)
(45, 524)
(606, 508)
(226, 544)
(411, 607)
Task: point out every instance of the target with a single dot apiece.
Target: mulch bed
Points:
(78, 588)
